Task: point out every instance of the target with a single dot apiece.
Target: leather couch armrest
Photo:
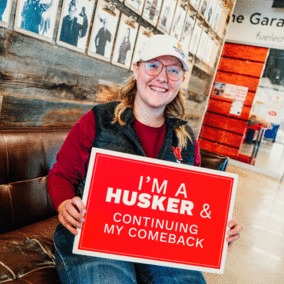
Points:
(213, 161)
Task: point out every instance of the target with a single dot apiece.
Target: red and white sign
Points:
(152, 211)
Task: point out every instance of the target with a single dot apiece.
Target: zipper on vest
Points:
(132, 135)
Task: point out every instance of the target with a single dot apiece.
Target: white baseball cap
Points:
(160, 45)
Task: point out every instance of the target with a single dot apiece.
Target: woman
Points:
(146, 122)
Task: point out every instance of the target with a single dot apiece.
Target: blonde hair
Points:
(176, 109)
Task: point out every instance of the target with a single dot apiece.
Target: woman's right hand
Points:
(71, 214)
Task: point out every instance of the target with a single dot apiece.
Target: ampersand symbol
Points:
(204, 213)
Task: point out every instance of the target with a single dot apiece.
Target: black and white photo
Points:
(217, 16)
(125, 42)
(178, 22)
(136, 5)
(210, 11)
(213, 4)
(167, 15)
(187, 30)
(195, 39)
(75, 23)
(203, 7)
(36, 18)
(214, 54)
(5, 9)
(209, 47)
(103, 32)
(202, 45)
(152, 10)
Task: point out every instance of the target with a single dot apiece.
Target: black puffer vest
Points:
(124, 139)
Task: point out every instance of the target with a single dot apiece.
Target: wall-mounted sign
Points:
(257, 24)
(156, 212)
(230, 91)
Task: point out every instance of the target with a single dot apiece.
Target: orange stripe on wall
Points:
(224, 122)
(222, 107)
(242, 67)
(247, 52)
(221, 136)
(248, 101)
(218, 148)
(240, 80)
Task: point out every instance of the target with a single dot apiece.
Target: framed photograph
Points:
(209, 11)
(203, 7)
(167, 15)
(214, 54)
(36, 18)
(178, 21)
(206, 48)
(214, 4)
(5, 9)
(195, 3)
(209, 48)
(135, 5)
(125, 41)
(195, 38)
(103, 32)
(202, 45)
(187, 29)
(74, 24)
(142, 36)
(217, 16)
(152, 10)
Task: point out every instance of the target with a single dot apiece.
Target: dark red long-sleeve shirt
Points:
(72, 159)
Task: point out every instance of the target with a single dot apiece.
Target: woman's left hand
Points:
(234, 232)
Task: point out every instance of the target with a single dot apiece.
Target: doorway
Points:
(267, 113)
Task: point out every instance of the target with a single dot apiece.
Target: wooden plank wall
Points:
(42, 84)
(45, 84)
(221, 131)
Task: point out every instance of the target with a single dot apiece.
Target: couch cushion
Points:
(24, 203)
(25, 156)
(28, 254)
(28, 153)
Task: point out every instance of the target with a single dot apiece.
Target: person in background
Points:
(147, 121)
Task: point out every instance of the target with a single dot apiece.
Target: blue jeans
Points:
(74, 268)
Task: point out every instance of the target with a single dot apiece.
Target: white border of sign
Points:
(96, 151)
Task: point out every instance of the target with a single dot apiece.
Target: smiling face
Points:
(156, 92)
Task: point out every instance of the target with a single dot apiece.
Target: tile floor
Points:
(270, 157)
(258, 256)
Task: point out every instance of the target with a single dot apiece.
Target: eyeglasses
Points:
(154, 67)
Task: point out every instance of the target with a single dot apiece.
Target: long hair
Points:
(175, 108)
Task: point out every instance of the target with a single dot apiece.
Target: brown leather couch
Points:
(27, 217)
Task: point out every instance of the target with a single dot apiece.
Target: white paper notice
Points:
(236, 108)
